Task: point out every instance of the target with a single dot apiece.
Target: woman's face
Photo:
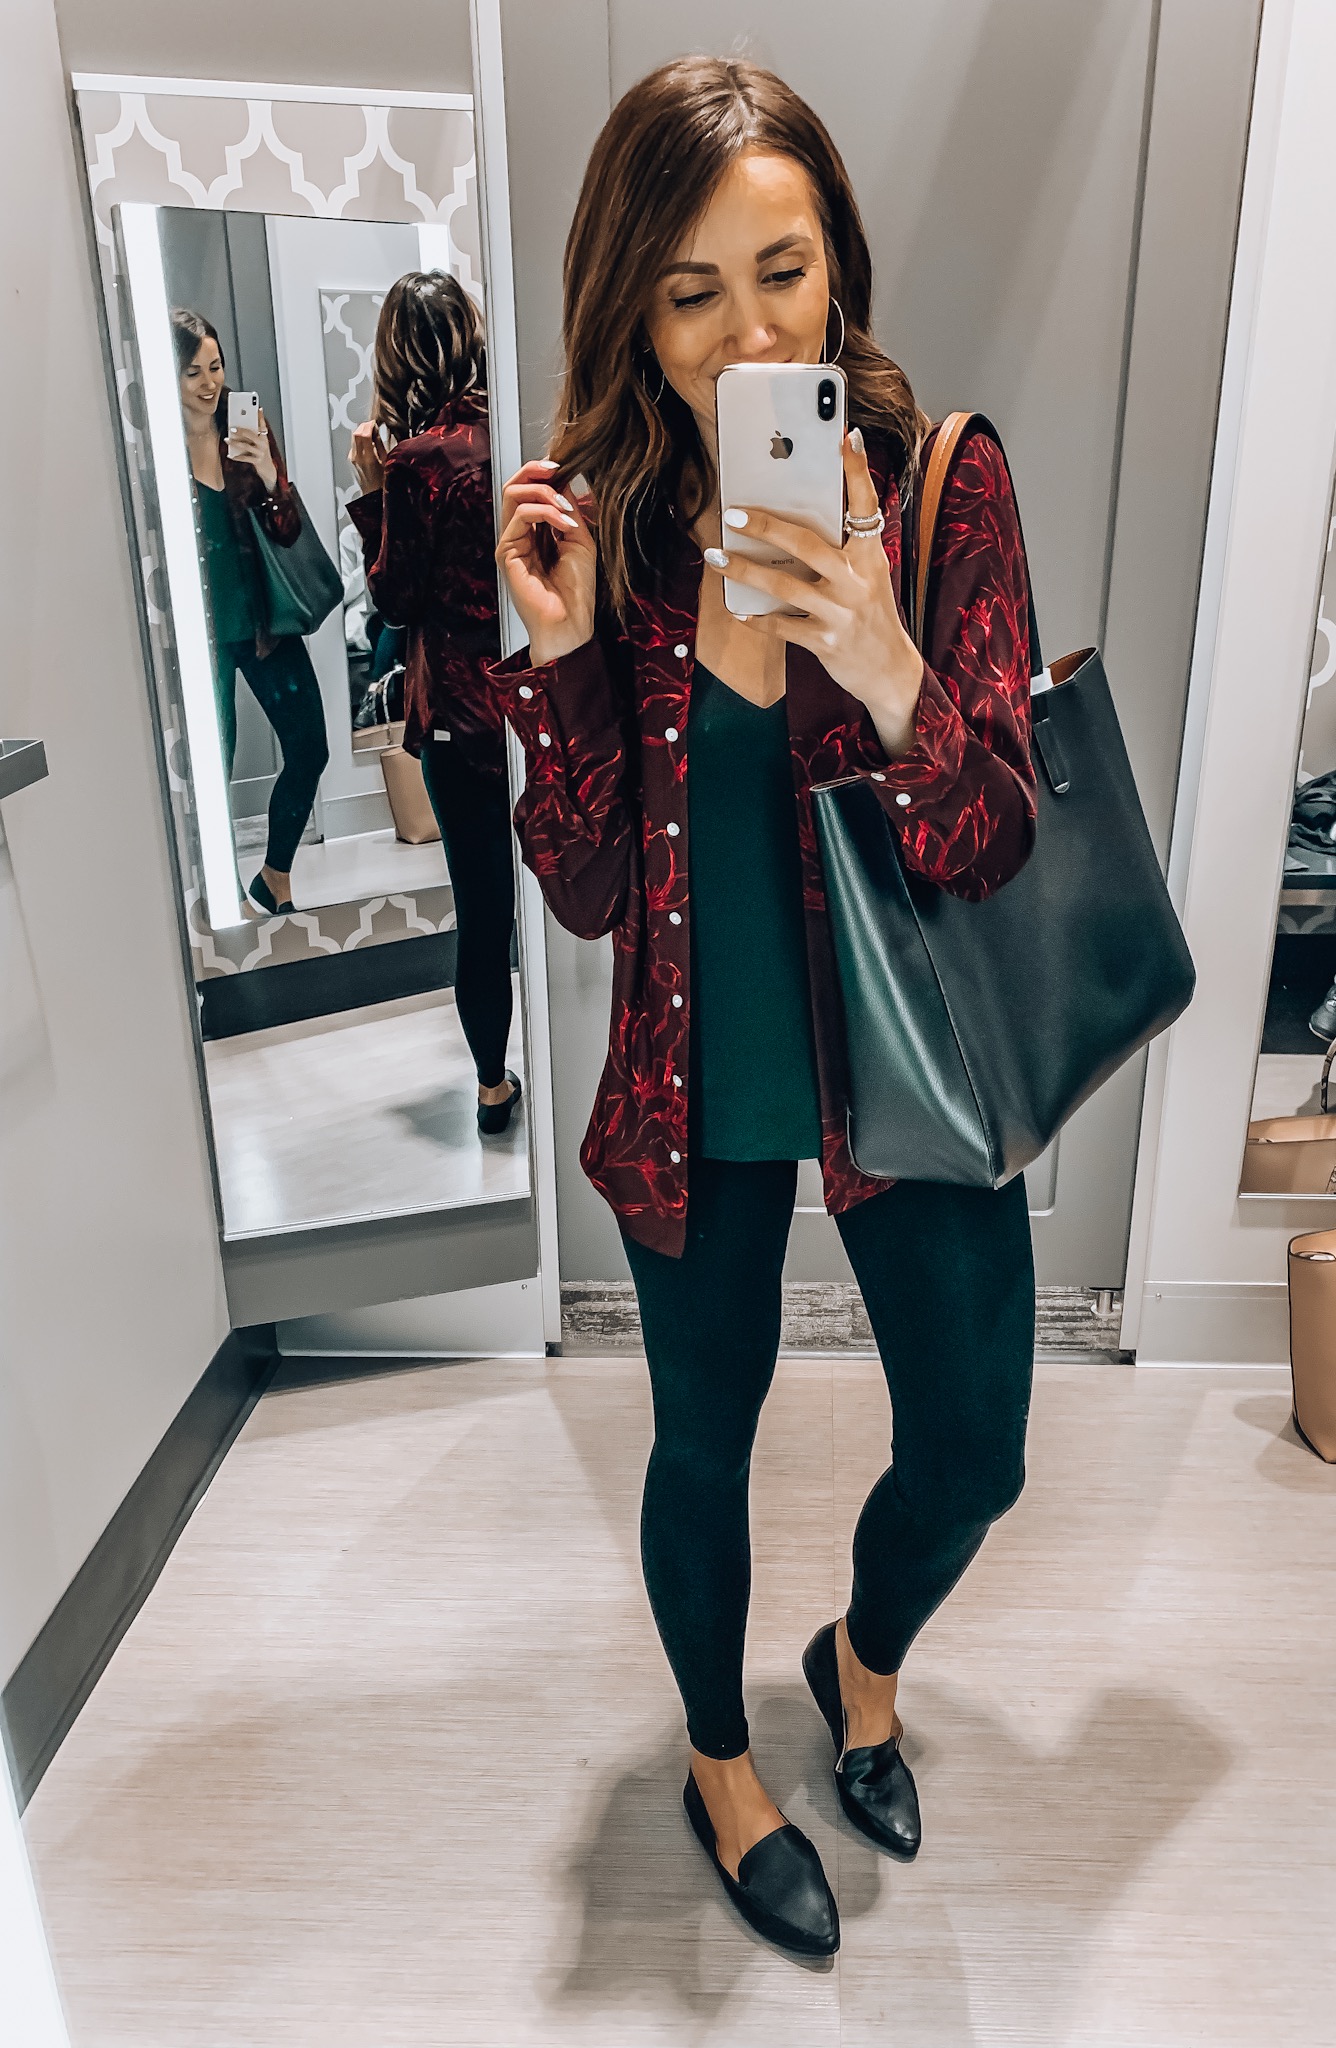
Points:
(202, 383)
(748, 286)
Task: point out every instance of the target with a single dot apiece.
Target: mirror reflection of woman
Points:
(671, 753)
(235, 475)
(428, 534)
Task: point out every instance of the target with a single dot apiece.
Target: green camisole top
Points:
(754, 1091)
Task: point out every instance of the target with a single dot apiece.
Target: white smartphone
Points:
(781, 436)
(243, 410)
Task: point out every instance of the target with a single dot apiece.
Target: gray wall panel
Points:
(998, 150)
(547, 160)
(994, 146)
(110, 1276)
(400, 43)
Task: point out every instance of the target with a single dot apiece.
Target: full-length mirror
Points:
(298, 314)
(1291, 1145)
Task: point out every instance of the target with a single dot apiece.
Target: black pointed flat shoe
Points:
(494, 1117)
(780, 1889)
(261, 893)
(875, 1786)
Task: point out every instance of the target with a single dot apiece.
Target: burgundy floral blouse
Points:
(603, 818)
(429, 538)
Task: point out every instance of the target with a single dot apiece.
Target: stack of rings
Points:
(866, 527)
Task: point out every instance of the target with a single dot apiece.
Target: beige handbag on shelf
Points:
(410, 806)
(1293, 1155)
(1312, 1278)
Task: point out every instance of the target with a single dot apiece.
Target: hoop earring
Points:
(840, 350)
(654, 396)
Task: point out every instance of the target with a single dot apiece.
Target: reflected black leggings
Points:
(288, 694)
(472, 808)
(948, 1279)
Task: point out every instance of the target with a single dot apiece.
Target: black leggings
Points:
(948, 1279)
(288, 694)
(472, 808)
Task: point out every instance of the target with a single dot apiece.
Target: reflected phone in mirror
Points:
(243, 411)
(781, 435)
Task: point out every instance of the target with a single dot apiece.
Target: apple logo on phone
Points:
(781, 447)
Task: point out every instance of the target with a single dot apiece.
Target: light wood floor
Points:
(391, 1756)
(360, 1113)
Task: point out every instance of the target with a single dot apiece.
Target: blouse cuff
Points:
(554, 703)
(366, 514)
(933, 764)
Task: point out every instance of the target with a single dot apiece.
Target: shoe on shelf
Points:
(1322, 1023)
(780, 1889)
(261, 893)
(494, 1117)
(875, 1786)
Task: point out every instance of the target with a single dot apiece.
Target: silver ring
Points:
(870, 523)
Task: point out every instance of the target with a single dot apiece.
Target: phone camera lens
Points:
(825, 399)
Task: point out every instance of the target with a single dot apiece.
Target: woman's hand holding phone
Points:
(251, 445)
(849, 620)
(552, 578)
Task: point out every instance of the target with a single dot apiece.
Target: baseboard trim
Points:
(294, 990)
(44, 1697)
(829, 1316)
(1214, 1322)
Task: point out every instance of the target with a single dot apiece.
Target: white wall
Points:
(30, 2011)
(1213, 1266)
(111, 1297)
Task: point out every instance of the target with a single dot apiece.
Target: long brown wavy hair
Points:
(429, 350)
(656, 164)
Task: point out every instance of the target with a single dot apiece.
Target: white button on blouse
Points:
(673, 830)
(674, 917)
(677, 1002)
(677, 1080)
(525, 692)
(903, 797)
(681, 650)
(877, 775)
(671, 733)
(676, 1158)
(544, 739)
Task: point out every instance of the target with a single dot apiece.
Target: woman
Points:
(716, 225)
(237, 475)
(428, 533)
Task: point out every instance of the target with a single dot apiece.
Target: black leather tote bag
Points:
(302, 583)
(974, 1030)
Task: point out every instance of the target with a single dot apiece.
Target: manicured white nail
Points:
(716, 558)
(561, 500)
(573, 524)
(856, 439)
(541, 462)
(733, 517)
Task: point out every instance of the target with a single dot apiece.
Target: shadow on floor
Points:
(1286, 1460)
(1026, 1852)
(448, 1117)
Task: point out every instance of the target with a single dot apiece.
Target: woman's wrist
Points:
(893, 706)
(549, 647)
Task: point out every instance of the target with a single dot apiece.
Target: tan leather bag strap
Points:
(944, 448)
(1326, 1075)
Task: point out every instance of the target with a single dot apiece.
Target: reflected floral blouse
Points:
(429, 538)
(603, 818)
